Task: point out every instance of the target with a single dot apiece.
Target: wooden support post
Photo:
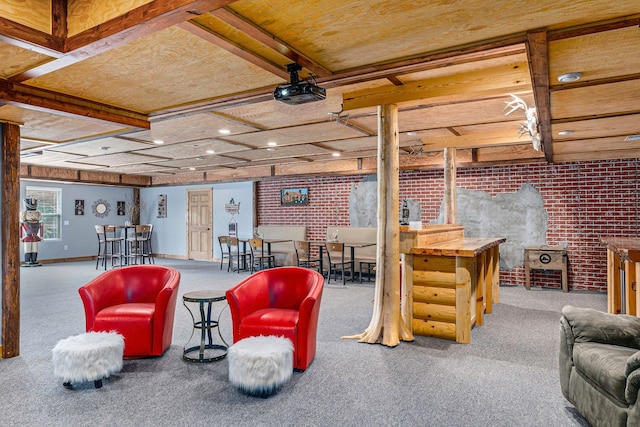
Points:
(10, 246)
(387, 326)
(450, 186)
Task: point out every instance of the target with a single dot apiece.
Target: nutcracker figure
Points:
(31, 231)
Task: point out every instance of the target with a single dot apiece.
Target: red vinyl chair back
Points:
(138, 302)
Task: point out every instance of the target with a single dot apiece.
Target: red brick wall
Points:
(584, 201)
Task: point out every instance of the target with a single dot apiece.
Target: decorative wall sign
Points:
(100, 208)
(79, 209)
(294, 196)
(162, 206)
(120, 208)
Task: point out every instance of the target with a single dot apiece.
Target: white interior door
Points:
(200, 224)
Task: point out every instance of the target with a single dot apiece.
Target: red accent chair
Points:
(284, 302)
(139, 302)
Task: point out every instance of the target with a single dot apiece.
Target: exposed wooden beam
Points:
(253, 31)
(133, 25)
(468, 86)
(538, 55)
(25, 37)
(42, 100)
(474, 140)
(463, 54)
(349, 77)
(59, 18)
(234, 48)
(592, 28)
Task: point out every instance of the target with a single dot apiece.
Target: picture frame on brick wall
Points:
(294, 196)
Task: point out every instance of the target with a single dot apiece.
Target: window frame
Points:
(52, 221)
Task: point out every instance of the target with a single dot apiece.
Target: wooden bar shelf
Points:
(623, 269)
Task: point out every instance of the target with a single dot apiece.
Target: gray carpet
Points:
(507, 376)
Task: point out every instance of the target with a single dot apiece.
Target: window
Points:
(49, 205)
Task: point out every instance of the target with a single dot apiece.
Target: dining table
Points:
(266, 242)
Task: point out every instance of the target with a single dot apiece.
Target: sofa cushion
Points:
(134, 321)
(603, 365)
(282, 322)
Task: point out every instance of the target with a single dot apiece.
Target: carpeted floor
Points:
(507, 376)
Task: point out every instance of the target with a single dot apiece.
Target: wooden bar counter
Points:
(623, 269)
(451, 281)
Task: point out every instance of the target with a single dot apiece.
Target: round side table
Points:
(207, 350)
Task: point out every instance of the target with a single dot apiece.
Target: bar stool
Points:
(139, 245)
(109, 245)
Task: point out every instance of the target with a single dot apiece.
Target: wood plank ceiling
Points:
(95, 85)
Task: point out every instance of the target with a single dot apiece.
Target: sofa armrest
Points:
(565, 356)
(633, 381)
(588, 325)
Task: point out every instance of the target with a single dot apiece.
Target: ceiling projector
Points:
(298, 92)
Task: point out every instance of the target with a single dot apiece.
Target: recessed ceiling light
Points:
(569, 77)
(192, 168)
(271, 149)
(632, 138)
(158, 141)
(412, 133)
(224, 131)
(272, 143)
(211, 151)
(335, 154)
(565, 132)
(200, 158)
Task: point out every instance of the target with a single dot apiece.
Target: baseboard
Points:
(57, 260)
(92, 258)
(169, 256)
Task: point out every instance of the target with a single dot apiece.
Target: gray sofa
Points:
(600, 365)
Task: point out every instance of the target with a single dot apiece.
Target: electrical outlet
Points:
(66, 248)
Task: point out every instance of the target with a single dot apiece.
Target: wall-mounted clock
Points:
(100, 208)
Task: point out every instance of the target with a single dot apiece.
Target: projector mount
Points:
(299, 91)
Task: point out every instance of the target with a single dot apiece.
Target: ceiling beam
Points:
(538, 56)
(592, 28)
(234, 48)
(473, 140)
(133, 25)
(469, 85)
(257, 33)
(33, 98)
(59, 10)
(28, 38)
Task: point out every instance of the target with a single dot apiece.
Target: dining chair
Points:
(224, 250)
(237, 255)
(338, 261)
(304, 256)
(259, 259)
(139, 244)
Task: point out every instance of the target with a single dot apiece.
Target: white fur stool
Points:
(259, 366)
(91, 356)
